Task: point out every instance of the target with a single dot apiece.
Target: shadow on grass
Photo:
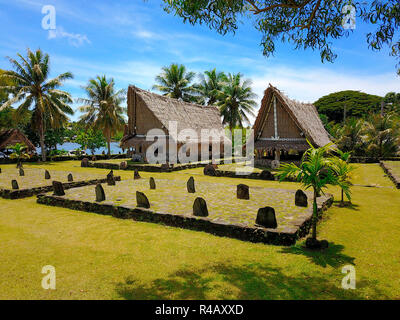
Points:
(346, 205)
(332, 256)
(247, 282)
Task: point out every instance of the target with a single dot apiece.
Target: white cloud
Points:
(75, 39)
(309, 85)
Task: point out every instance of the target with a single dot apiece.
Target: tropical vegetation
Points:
(102, 109)
(32, 90)
(318, 170)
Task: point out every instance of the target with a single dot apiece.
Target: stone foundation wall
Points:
(252, 234)
(24, 193)
(145, 168)
(395, 178)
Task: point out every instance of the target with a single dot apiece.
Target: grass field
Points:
(100, 257)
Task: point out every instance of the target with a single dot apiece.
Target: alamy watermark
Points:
(200, 146)
(349, 280)
(49, 280)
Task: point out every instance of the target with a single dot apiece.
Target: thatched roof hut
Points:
(147, 110)
(283, 124)
(13, 136)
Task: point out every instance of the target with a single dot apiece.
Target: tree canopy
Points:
(357, 104)
(304, 23)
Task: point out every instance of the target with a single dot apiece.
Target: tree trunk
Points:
(314, 218)
(42, 145)
(342, 198)
(108, 146)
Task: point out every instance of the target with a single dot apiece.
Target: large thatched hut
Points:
(11, 137)
(284, 125)
(147, 110)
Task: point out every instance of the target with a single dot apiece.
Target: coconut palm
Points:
(102, 109)
(316, 171)
(31, 88)
(235, 101)
(175, 82)
(382, 135)
(211, 83)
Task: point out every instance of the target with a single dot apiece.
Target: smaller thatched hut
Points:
(284, 125)
(12, 136)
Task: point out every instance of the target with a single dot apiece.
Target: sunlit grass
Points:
(100, 257)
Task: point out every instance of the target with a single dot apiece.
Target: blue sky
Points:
(130, 40)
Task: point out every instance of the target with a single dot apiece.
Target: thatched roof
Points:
(13, 136)
(187, 115)
(305, 115)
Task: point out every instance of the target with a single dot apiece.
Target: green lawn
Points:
(100, 257)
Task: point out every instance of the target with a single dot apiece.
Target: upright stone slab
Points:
(136, 175)
(21, 172)
(14, 184)
(123, 165)
(242, 192)
(85, 163)
(300, 199)
(100, 195)
(266, 175)
(152, 183)
(209, 170)
(70, 178)
(266, 217)
(47, 175)
(190, 185)
(141, 200)
(94, 158)
(0, 170)
(58, 188)
(200, 208)
(110, 178)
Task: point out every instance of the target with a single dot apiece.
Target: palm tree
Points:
(316, 171)
(235, 101)
(102, 109)
(174, 82)
(350, 136)
(210, 86)
(19, 152)
(382, 135)
(343, 172)
(31, 87)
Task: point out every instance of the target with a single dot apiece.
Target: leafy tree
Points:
(31, 87)
(91, 139)
(392, 102)
(304, 23)
(316, 171)
(353, 103)
(175, 82)
(53, 137)
(382, 136)
(210, 86)
(235, 101)
(19, 152)
(102, 109)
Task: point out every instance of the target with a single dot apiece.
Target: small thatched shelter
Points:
(147, 110)
(283, 124)
(12, 136)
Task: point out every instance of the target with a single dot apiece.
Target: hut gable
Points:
(13, 136)
(293, 123)
(147, 110)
